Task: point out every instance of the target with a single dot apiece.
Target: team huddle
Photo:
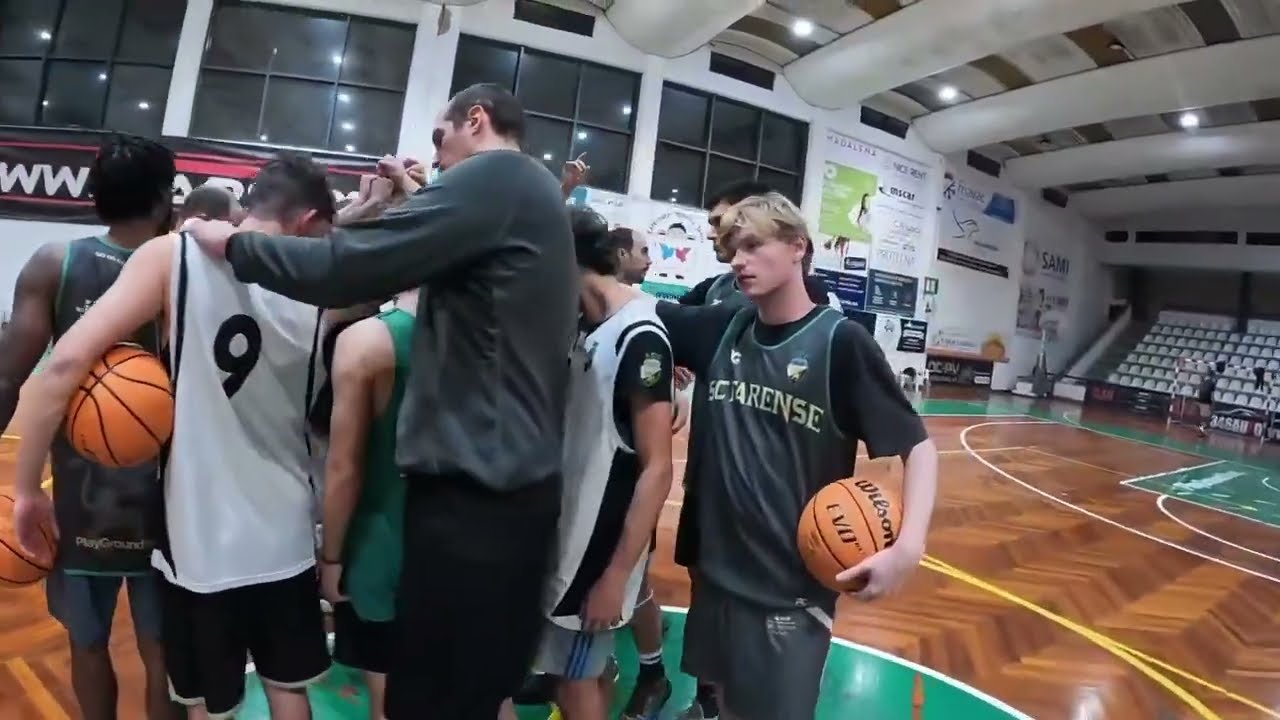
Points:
(475, 405)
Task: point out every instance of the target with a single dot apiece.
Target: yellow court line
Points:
(37, 693)
(1134, 658)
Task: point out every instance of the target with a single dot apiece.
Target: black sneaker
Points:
(647, 699)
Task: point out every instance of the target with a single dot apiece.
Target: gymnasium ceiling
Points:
(1085, 96)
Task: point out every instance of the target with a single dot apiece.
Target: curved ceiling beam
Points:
(930, 36)
(671, 28)
(1219, 192)
(1213, 75)
(1230, 146)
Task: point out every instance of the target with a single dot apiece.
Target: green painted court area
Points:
(1226, 486)
(859, 683)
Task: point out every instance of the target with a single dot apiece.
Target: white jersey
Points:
(600, 471)
(239, 495)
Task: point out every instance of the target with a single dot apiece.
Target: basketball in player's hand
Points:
(845, 523)
(121, 415)
(17, 566)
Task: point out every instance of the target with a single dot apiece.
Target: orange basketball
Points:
(122, 413)
(18, 568)
(845, 523)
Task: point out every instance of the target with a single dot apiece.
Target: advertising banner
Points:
(892, 293)
(959, 371)
(1043, 293)
(1123, 397)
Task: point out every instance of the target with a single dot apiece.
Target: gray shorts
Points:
(86, 604)
(767, 662)
(573, 655)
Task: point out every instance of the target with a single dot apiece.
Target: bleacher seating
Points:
(1153, 363)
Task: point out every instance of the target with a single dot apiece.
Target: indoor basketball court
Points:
(1077, 568)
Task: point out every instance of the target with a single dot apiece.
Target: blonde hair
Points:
(770, 215)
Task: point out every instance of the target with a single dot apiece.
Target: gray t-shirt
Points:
(490, 244)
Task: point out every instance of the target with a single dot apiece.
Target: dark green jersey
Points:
(724, 290)
(374, 552)
(110, 519)
(772, 442)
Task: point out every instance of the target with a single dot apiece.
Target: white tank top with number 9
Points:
(239, 491)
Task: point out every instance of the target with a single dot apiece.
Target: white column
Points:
(430, 75)
(814, 166)
(644, 143)
(186, 68)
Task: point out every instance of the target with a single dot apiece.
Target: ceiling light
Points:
(263, 138)
(582, 134)
(675, 191)
(102, 76)
(351, 148)
(626, 109)
(947, 93)
(1189, 120)
(546, 156)
(45, 35)
(337, 59)
(343, 97)
(45, 103)
(348, 126)
(802, 27)
(144, 105)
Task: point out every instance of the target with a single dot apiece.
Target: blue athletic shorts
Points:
(85, 605)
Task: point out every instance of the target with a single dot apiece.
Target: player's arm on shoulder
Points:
(30, 328)
(136, 297)
(644, 382)
(870, 405)
(363, 351)
(697, 295)
(695, 332)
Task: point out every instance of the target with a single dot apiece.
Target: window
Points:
(304, 79)
(706, 142)
(88, 63)
(571, 106)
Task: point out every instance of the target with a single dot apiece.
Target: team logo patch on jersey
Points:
(651, 369)
(735, 357)
(797, 368)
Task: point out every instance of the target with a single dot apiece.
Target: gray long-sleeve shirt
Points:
(490, 244)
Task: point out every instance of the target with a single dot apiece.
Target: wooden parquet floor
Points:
(1052, 586)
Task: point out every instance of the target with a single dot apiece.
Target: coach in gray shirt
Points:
(482, 420)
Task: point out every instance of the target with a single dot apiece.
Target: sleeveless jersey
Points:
(238, 491)
(771, 444)
(374, 545)
(600, 471)
(110, 519)
(724, 289)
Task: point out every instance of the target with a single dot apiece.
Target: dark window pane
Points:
(547, 84)
(547, 140)
(378, 54)
(240, 37)
(366, 121)
(75, 94)
(255, 38)
(783, 142)
(734, 129)
(677, 175)
(151, 30)
(88, 29)
(784, 183)
(135, 103)
(21, 82)
(607, 154)
(607, 96)
(26, 28)
(227, 106)
(297, 112)
(683, 117)
(481, 62)
(723, 171)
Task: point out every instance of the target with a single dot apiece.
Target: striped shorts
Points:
(573, 654)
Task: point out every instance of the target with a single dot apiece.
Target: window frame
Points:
(574, 122)
(708, 124)
(266, 74)
(51, 56)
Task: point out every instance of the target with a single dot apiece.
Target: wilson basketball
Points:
(17, 568)
(844, 524)
(122, 413)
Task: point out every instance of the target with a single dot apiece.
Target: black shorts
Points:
(208, 638)
(362, 644)
(469, 609)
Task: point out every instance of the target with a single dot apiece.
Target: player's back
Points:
(238, 489)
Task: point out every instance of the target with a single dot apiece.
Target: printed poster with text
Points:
(979, 255)
(1044, 291)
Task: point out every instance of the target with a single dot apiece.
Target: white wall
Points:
(18, 240)
(1243, 258)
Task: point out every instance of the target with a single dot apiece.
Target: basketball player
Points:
(108, 520)
(617, 469)
(239, 554)
(790, 387)
(211, 203)
(481, 429)
(632, 255)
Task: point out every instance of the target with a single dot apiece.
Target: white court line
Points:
(1171, 472)
(964, 440)
(1268, 485)
(1160, 504)
(1177, 451)
(1214, 508)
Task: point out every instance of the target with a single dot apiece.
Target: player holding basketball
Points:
(617, 469)
(108, 519)
(790, 388)
(239, 551)
(360, 557)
